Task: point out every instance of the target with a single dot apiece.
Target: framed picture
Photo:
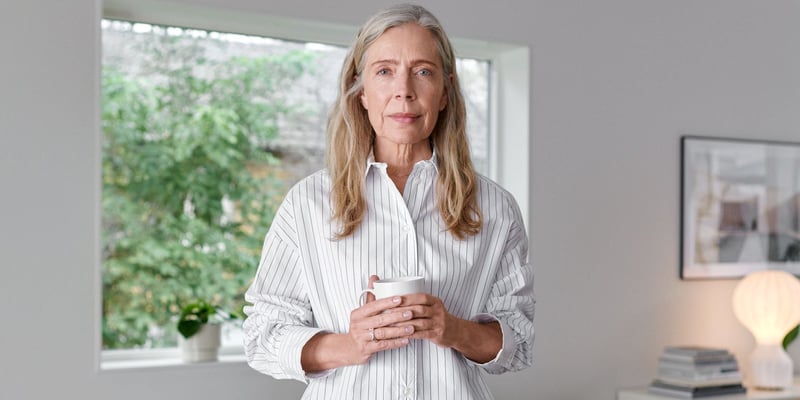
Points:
(740, 207)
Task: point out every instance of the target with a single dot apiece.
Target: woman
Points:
(399, 197)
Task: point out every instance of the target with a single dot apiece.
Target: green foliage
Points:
(790, 337)
(183, 138)
(194, 315)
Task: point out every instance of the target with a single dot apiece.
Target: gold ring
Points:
(372, 334)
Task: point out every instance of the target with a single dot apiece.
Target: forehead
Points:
(409, 41)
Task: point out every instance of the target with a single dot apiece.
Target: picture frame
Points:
(740, 207)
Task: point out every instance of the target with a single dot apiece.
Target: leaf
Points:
(188, 328)
(790, 337)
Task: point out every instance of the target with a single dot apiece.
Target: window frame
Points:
(509, 107)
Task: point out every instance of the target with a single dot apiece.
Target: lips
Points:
(404, 118)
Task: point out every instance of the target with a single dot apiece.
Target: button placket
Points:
(408, 355)
(406, 391)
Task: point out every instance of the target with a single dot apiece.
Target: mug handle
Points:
(362, 299)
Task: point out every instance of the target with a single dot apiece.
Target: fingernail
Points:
(403, 341)
(409, 329)
(396, 300)
(407, 314)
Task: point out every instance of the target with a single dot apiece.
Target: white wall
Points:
(615, 83)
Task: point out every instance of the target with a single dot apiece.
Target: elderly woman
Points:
(399, 197)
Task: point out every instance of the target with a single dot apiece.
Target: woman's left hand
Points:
(480, 342)
(430, 319)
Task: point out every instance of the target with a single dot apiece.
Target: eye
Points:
(424, 72)
(382, 72)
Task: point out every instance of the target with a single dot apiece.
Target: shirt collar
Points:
(433, 161)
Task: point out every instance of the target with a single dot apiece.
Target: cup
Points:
(384, 288)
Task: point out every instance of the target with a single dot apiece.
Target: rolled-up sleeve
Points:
(512, 304)
(279, 318)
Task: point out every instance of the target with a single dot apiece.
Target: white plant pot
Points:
(203, 346)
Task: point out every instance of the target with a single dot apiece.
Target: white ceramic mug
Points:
(394, 287)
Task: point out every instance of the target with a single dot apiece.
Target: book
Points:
(697, 360)
(690, 392)
(691, 368)
(698, 383)
(698, 374)
(695, 351)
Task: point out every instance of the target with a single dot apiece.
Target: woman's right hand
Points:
(377, 317)
(372, 326)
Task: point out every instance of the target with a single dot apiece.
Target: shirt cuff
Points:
(292, 349)
(504, 357)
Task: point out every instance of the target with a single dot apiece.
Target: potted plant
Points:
(199, 327)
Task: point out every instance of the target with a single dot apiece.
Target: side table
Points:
(792, 393)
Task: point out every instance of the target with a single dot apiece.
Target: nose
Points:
(404, 87)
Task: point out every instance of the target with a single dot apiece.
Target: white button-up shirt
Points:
(307, 283)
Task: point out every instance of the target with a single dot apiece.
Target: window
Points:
(505, 143)
(204, 132)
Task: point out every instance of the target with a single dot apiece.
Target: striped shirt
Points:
(307, 283)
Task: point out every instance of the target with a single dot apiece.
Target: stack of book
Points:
(692, 372)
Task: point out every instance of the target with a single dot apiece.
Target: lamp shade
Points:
(768, 304)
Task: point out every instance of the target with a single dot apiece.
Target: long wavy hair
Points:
(350, 134)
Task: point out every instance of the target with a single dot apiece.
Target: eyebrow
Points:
(395, 62)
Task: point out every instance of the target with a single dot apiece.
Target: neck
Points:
(400, 159)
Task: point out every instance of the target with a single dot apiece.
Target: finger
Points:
(393, 332)
(376, 307)
(421, 312)
(424, 328)
(420, 299)
(417, 311)
(372, 279)
(381, 345)
(370, 296)
(420, 325)
(384, 319)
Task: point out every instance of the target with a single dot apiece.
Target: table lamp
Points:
(768, 304)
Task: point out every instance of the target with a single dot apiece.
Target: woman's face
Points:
(403, 85)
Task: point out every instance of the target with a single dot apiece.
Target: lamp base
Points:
(770, 367)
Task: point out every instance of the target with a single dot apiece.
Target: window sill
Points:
(116, 360)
